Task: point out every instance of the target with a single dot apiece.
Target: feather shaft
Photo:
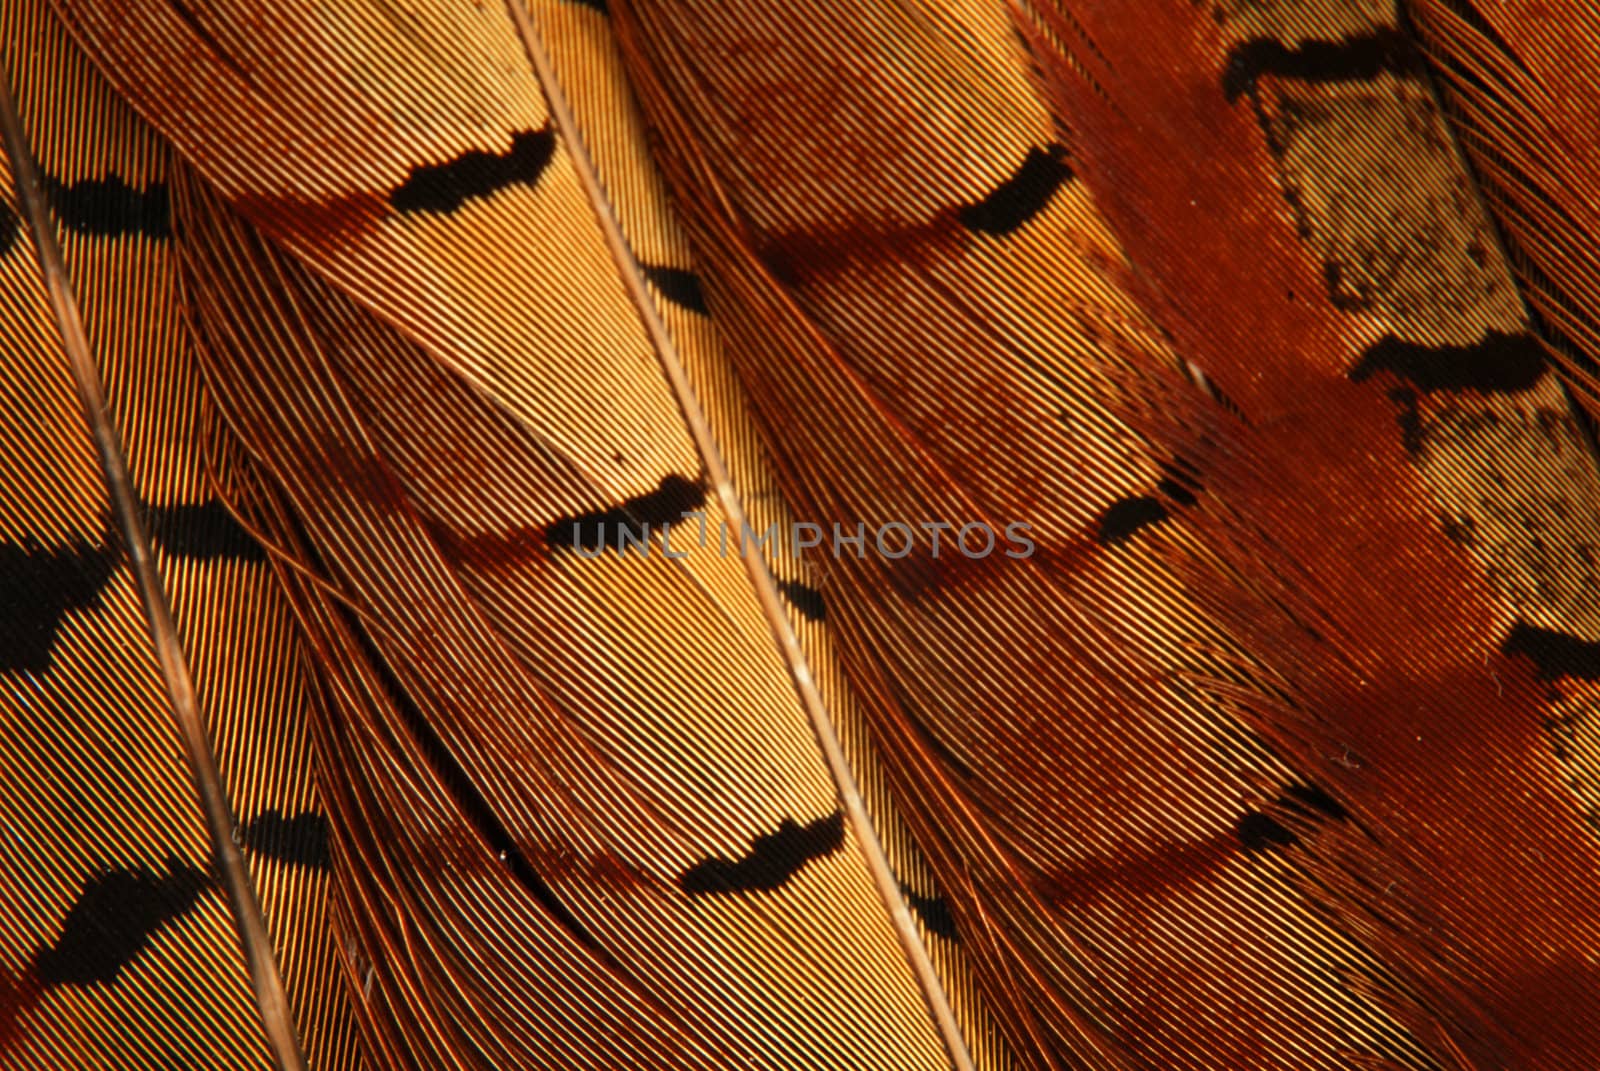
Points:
(266, 982)
(761, 578)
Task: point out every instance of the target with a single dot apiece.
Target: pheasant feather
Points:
(947, 533)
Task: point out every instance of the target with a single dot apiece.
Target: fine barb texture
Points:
(915, 534)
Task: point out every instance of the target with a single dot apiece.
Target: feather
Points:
(1513, 76)
(1417, 355)
(669, 843)
(890, 274)
(113, 906)
(1176, 649)
(1125, 830)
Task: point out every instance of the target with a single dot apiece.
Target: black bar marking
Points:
(935, 914)
(1180, 483)
(301, 838)
(1460, 530)
(105, 208)
(203, 531)
(1354, 59)
(1555, 653)
(110, 208)
(37, 588)
(1412, 432)
(442, 188)
(1178, 486)
(1259, 832)
(806, 599)
(114, 918)
(10, 227)
(1501, 362)
(678, 286)
(1333, 276)
(773, 858)
(1022, 196)
(675, 496)
(1302, 797)
(1125, 517)
(598, 5)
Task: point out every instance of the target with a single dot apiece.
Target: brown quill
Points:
(1259, 735)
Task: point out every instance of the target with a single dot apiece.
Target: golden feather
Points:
(1177, 643)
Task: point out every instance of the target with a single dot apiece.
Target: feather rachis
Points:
(1246, 764)
(1210, 198)
(728, 241)
(389, 500)
(109, 198)
(761, 577)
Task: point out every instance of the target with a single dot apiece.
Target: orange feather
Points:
(1177, 647)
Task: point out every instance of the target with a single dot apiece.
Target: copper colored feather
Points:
(1175, 648)
(1515, 80)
